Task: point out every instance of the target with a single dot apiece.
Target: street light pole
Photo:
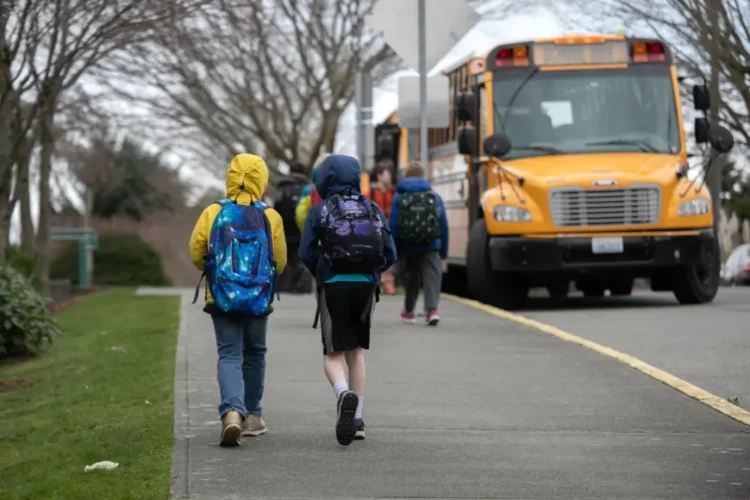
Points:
(423, 82)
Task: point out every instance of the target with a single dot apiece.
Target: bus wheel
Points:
(621, 286)
(558, 289)
(591, 288)
(699, 283)
(502, 290)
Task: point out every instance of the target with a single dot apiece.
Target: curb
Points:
(711, 400)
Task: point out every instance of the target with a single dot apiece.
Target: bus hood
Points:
(600, 169)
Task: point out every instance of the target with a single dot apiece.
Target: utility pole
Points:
(422, 22)
(365, 133)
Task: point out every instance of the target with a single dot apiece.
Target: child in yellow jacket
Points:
(240, 340)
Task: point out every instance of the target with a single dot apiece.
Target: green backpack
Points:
(418, 218)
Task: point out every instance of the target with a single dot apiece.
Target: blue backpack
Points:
(240, 269)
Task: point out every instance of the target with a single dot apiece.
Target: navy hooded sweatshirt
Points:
(418, 185)
(338, 174)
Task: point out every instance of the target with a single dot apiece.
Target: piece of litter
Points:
(117, 349)
(148, 402)
(106, 465)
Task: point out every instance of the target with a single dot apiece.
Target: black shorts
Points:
(346, 315)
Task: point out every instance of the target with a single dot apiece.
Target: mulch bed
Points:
(65, 304)
(16, 383)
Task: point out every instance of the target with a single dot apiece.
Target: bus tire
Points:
(558, 289)
(591, 288)
(594, 292)
(698, 283)
(621, 287)
(497, 289)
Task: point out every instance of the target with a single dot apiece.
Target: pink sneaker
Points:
(408, 317)
(432, 318)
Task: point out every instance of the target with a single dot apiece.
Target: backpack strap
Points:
(317, 313)
(267, 225)
(269, 237)
(198, 287)
(222, 203)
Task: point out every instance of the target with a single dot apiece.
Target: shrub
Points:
(25, 264)
(26, 324)
(123, 259)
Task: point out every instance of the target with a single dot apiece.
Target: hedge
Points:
(122, 259)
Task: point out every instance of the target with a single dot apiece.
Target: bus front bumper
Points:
(517, 253)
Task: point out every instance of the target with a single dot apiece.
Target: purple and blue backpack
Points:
(240, 268)
(352, 234)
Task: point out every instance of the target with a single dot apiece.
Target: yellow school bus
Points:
(566, 162)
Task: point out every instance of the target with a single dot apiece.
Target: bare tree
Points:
(5, 118)
(54, 43)
(271, 76)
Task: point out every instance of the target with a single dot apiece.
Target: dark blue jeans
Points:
(241, 369)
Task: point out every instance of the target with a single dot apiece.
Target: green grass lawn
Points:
(104, 391)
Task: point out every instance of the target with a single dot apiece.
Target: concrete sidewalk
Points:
(476, 408)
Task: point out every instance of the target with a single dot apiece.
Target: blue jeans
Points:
(241, 369)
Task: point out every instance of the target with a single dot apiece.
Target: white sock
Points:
(358, 413)
(340, 386)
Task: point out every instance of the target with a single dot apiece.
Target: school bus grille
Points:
(576, 207)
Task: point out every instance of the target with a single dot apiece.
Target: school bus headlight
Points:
(509, 213)
(698, 206)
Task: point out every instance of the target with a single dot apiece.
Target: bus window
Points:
(607, 110)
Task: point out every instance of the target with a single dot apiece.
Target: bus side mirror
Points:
(701, 99)
(497, 145)
(467, 141)
(466, 106)
(721, 138)
(701, 130)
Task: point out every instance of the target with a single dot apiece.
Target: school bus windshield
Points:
(586, 111)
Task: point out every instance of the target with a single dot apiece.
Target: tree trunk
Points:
(47, 143)
(6, 115)
(27, 223)
(4, 209)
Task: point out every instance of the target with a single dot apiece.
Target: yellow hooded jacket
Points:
(247, 180)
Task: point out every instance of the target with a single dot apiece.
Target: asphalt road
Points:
(477, 408)
(707, 345)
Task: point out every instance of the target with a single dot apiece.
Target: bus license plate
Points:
(606, 245)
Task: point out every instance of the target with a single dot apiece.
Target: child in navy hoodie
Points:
(420, 228)
(345, 301)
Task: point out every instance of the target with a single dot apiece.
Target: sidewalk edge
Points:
(180, 486)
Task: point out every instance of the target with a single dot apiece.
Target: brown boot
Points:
(231, 428)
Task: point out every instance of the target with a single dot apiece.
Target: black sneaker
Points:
(345, 428)
(360, 426)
